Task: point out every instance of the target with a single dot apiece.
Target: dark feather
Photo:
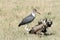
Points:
(27, 20)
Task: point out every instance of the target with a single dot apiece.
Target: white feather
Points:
(33, 14)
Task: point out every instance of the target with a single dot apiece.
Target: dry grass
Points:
(13, 11)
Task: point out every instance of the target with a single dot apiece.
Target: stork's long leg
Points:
(27, 29)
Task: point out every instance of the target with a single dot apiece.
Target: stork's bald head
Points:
(35, 10)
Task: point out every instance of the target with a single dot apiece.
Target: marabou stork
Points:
(29, 18)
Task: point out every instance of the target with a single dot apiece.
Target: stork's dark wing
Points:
(26, 20)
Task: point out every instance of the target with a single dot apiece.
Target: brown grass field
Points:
(13, 11)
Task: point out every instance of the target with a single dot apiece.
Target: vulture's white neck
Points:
(33, 14)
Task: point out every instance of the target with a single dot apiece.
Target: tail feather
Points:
(19, 25)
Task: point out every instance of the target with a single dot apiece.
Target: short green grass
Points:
(13, 11)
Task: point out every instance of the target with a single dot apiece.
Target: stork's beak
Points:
(38, 13)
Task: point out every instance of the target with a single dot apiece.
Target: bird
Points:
(29, 18)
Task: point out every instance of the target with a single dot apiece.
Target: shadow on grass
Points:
(45, 35)
(49, 34)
